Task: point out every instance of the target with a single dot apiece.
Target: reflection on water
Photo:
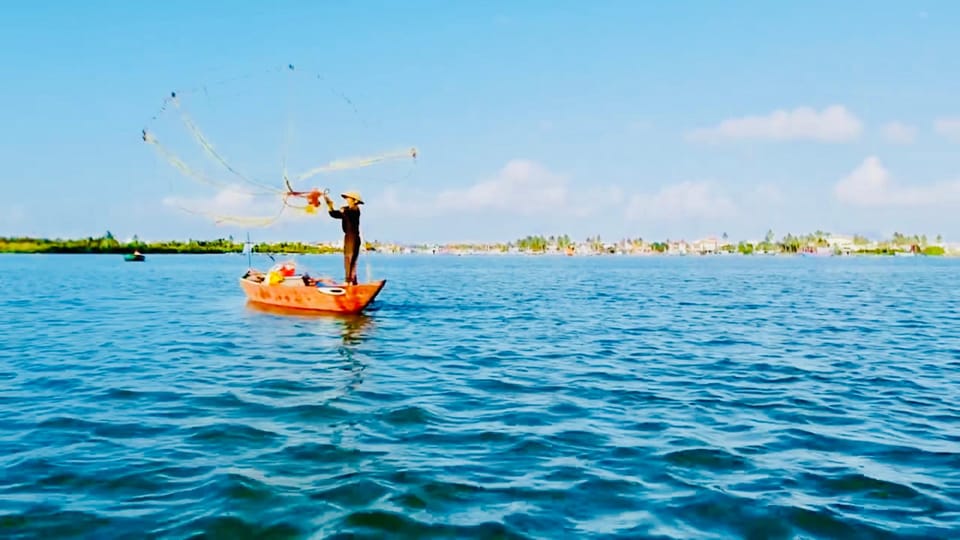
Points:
(353, 326)
(352, 334)
(352, 330)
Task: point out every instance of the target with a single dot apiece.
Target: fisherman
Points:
(349, 216)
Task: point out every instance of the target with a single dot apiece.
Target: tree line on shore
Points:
(789, 243)
(108, 244)
(536, 244)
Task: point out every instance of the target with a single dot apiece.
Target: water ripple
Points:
(485, 398)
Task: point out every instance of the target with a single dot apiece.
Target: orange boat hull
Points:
(349, 299)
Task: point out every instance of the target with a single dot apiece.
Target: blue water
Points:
(484, 397)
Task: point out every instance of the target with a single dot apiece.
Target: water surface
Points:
(488, 397)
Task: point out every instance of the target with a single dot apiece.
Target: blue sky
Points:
(617, 118)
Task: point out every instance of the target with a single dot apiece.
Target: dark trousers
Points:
(351, 251)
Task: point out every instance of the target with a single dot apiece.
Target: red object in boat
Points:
(295, 293)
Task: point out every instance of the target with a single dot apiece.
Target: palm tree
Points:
(597, 244)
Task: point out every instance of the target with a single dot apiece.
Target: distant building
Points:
(678, 248)
(708, 245)
(842, 243)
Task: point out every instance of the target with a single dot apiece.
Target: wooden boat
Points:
(281, 288)
(134, 257)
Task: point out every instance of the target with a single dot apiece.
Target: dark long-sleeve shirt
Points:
(349, 220)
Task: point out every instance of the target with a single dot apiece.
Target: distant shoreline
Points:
(817, 244)
(338, 253)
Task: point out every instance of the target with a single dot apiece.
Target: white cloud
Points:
(948, 128)
(870, 185)
(521, 185)
(899, 133)
(523, 197)
(833, 124)
(228, 200)
(529, 196)
(686, 200)
(234, 205)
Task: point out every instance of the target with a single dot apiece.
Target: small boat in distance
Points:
(282, 287)
(136, 256)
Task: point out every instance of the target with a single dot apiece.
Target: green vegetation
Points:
(108, 244)
(540, 244)
(535, 244)
(818, 242)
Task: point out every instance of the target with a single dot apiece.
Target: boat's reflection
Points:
(353, 330)
(353, 324)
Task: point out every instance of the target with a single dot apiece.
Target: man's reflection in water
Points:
(353, 330)
(347, 372)
(354, 327)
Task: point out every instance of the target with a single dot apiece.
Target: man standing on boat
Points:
(349, 216)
